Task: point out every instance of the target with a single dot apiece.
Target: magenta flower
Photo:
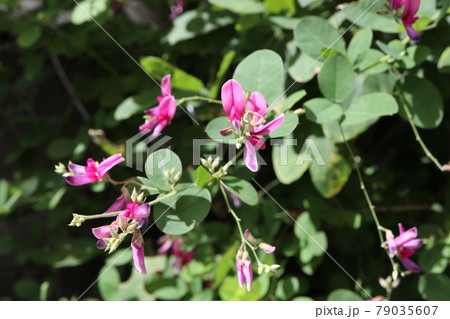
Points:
(248, 125)
(182, 257)
(267, 248)
(137, 247)
(132, 212)
(93, 171)
(244, 269)
(403, 246)
(160, 116)
(176, 9)
(408, 15)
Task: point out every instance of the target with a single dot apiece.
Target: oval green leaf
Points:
(314, 35)
(180, 213)
(322, 111)
(262, 71)
(215, 126)
(242, 189)
(158, 162)
(368, 107)
(336, 79)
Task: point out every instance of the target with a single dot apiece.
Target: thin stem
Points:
(409, 116)
(198, 98)
(366, 196)
(238, 222)
(228, 164)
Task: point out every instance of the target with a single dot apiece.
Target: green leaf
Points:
(158, 68)
(289, 124)
(287, 288)
(278, 6)
(226, 263)
(242, 189)
(292, 100)
(88, 9)
(444, 61)
(331, 174)
(332, 132)
(424, 101)
(3, 191)
(313, 243)
(29, 36)
(371, 63)
(215, 126)
(289, 163)
(359, 45)
(108, 283)
(135, 104)
(336, 79)
(415, 55)
(392, 49)
(434, 287)
(302, 68)
(322, 111)
(224, 66)
(60, 148)
(179, 214)
(56, 198)
(284, 22)
(240, 6)
(202, 176)
(229, 290)
(158, 162)
(262, 71)
(364, 14)
(368, 107)
(168, 288)
(344, 295)
(193, 23)
(313, 35)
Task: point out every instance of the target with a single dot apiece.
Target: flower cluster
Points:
(248, 124)
(408, 16)
(131, 220)
(403, 246)
(182, 257)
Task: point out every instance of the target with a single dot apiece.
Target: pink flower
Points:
(408, 16)
(176, 9)
(182, 257)
(244, 269)
(120, 203)
(160, 116)
(267, 248)
(133, 211)
(93, 171)
(137, 246)
(403, 246)
(247, 125)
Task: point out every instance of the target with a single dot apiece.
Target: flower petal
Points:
(167, 108)
(257, 142)
(77, 169)
(406, 236)
(240, 274)
(109, 163)
(269, 127)
(250, 158)
(412, 34)
(248, 275)
(413, 244)
(165, 86)
(143, 211)
(257, 103)
(233, 100)
(137, 246)
(410, 265)
(102, 232)
(392, 246)
(80, 180)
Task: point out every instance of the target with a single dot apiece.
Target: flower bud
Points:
(61, 169)
(267, 248)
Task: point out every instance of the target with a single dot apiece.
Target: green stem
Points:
(409, 116)
(366, 196)
(198, 98)
(230, 162)
(238, 222)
